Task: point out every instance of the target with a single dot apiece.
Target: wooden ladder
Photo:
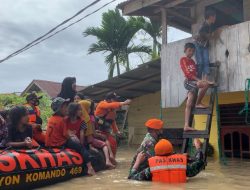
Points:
(203, 134)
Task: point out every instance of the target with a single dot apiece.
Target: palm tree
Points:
(153, 28)
(113, 39)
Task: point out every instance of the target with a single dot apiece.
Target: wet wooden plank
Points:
(243, 54)
(172, 76)
(220, 55)
(233, 57)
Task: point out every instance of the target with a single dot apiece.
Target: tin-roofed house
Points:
(50, 88)
(232, 50)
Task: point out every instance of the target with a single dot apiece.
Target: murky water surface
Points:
(234, 175)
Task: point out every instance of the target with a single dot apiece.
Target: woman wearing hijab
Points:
(68, 90)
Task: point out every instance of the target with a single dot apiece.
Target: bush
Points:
(9, 100)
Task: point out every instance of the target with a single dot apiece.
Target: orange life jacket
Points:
(168, 169)
(33, 113)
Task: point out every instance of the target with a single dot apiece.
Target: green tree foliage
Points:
(113, 39)
(9, 100)
(153, 28)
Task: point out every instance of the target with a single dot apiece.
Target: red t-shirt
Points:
(188, 67)
(77, 126)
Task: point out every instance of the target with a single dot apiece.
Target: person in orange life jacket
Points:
(138, 167)
(168, 167)
(105, 114)
(34, 116)
(58, 135)
(19, 130)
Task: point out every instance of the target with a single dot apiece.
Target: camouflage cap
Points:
(33, 96)
(57, 103)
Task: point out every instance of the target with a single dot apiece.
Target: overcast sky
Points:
(63, 55)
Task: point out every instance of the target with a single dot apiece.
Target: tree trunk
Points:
(128, 64)
(111, 71)
(117, 65)
(154, 46)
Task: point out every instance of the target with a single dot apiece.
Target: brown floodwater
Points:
(234, 175)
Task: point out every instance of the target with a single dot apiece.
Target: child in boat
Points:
(78, 97)
(57, 134)
(3, 132)
(75, 125)
(19, 130)
(94, 137)
(90, 135)
(192, 83)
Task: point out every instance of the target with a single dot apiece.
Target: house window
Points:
(229, 12)
(235, 133)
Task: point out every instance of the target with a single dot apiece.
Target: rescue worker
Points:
(35, 119)
(105, 115)
(146, 149)
(168, 167)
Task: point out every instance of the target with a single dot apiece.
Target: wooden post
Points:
(246, 6)
(164, 26)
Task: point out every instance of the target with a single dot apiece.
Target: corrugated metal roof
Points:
(179, 13)
(140, 81)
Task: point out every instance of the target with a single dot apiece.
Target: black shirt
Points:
(14, 135)
(205, 32)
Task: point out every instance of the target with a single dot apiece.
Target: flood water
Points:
(234, 175)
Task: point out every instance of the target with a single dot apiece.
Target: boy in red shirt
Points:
(192, 83)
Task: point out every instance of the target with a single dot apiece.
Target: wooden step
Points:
(199, 111)
(216, 64)
(214, 85)
(196, 134)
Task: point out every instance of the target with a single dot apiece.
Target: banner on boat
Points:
(25, 168)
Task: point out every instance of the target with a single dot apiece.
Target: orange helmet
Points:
(163, 147)
(154, 124)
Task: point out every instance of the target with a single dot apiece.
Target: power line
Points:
(50, 36)
(50, 31)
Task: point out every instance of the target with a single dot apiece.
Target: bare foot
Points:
(201, 106)
(113, 161)
(91, 171)
(110, 165)
(187, 128)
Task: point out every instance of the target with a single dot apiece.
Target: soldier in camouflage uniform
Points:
(139, 168)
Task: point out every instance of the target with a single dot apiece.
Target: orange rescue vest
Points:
(168, 169)
(33, 113)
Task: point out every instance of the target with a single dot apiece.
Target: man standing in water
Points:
(168, 167)
(146, 150)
